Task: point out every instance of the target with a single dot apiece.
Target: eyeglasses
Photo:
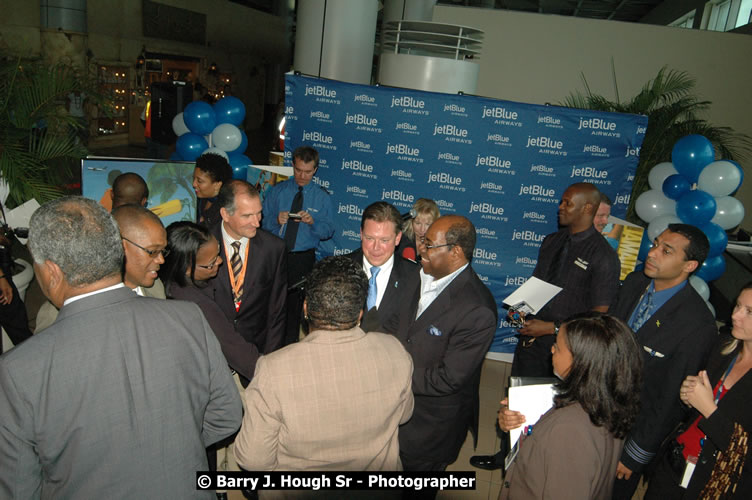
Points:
(152, 253)
(210, 266)
(428, 247)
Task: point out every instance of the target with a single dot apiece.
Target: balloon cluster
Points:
(202, 128)
(696, 190)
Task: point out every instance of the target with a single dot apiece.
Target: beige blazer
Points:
(333, 401)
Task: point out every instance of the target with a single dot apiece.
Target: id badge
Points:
(689, 469)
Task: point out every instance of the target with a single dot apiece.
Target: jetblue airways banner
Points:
(502, 164)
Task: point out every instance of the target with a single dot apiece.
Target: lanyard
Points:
(723, 380)
(237, 286)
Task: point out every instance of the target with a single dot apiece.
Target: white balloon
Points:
(720, 178)
(227, 137)
(710, 306)
(660, 224)
(700, 287)
(729, 212)
(652, 204)
(179, 126)
(660, 173)
(216, 151)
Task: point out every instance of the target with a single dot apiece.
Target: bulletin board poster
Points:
(502, 164)
(170, 183)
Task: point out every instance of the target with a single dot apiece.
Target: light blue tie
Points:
(644, 312)
(373, 291)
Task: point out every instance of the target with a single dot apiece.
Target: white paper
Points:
(532, 401)
(535, 293)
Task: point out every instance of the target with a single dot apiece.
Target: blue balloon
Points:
(190, 146)
(239, 163)
(712, 269)
(229, 110)
(240, 172)
(717, 238)
(690, 155)
(175, 156)
(199, 118)
(696, 207)
(645, 246)
(675, 186)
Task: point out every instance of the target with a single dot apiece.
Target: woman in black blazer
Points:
(717, 433)
(194, 259)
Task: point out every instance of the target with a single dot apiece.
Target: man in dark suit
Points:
(389, 275)
(447, 325)
(121, 395)
(676, 331)
(252, 286)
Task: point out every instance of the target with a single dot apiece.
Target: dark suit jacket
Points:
(241, 355)
(681, 334)
(402, 280)
(448, 343)
(120, 396)
(261, 318)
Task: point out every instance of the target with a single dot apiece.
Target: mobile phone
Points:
(295, 216)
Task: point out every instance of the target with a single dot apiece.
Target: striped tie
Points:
(237, 266)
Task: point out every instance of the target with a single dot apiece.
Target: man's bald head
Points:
(578, 206)
(132, 217)
(129, 189)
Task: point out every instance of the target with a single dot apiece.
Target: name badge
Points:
(581, 263)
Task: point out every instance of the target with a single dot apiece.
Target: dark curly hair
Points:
(215, 166)
(606, 371)
(335, 293)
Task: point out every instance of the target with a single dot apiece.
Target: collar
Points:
(582, 235)
(229, 240)
(335, 336)
(384, 269)
(428, 283)
(70, 300)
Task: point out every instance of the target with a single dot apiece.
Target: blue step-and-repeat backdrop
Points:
(502, 164)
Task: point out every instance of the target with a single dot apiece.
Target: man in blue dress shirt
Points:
(301, 213)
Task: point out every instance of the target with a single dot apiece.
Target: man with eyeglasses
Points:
(144, 242)
(447, 324)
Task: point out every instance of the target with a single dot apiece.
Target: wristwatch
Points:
(557, 325)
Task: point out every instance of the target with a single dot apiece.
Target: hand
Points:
(282, 218)
(536, 328)
(306, 217)
(6, 291)
(697, 392)
(509, 419)
(622, 472)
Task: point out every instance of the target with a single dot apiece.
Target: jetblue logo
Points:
(320, 115)
(351, 234)
(515, 281)
(408, 102)
(498, 138)
(482, 277)
(526, 261)
(632, 152)
(320, 91)
(454, 108)
(317, 137)
(590, 172)
(542, 169)
(492, 187)
(444, 178)
(340, 251)
(361, 146)
(641, 130)
(448, 157)
(324, 184)
(401, 149)
(397, 195)
(486, 208)
(403, 175)
(290, 110)
(361, 119)
(364, 98)
(445, 205)
(480, 253)
(499, 113)
(595, 150)
(356, 165)
(452, 133)
(527, 235)
(550, 121)
(492, 161)
(485, 233)
(623, 199)
(357, 191)
(544, 142)
(534, 216)
(350, 209)
(536, 190)
(596, 124)
(407, 127)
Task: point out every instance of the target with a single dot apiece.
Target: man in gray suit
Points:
(121, 395)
